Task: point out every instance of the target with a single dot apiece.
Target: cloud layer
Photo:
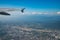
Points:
(58, 12)
(15, 11)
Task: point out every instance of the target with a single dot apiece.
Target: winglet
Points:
(22, 10)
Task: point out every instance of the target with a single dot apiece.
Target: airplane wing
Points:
(22, 10)
(3, 11)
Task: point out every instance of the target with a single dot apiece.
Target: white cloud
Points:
(58, 12)
(46, 13)
(34, 13)
(40, 13)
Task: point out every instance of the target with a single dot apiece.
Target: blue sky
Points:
(40, 4)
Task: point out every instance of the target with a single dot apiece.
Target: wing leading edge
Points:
(4, 13)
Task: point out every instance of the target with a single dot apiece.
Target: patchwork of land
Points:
(25, 33)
